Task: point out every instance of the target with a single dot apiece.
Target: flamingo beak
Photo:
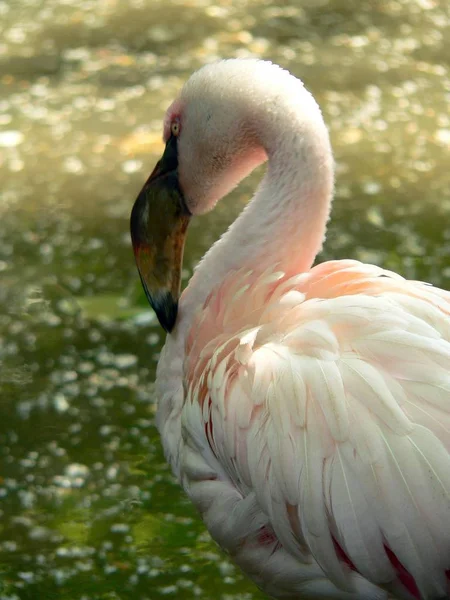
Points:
(158, 225)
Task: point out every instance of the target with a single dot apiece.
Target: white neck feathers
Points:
(285, 222)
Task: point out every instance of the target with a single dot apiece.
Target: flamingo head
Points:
(211, 136)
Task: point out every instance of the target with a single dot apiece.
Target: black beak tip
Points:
(166, 309)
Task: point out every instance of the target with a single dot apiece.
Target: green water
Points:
(88, 508)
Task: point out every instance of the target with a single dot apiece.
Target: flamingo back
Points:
(316, 430)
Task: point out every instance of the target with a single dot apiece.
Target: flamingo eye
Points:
(175, 128)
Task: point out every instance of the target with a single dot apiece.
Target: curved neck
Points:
(284, 225)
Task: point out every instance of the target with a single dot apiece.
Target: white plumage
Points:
(306, 411)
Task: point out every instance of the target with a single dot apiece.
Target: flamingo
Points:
(304, 409)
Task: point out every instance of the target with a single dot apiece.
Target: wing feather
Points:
(312, 510)
(327, 404)
(369, 387)
(356, 524)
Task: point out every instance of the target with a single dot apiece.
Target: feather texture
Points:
(306, 411)
(331, 421)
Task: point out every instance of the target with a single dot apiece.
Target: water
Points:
(88, 507)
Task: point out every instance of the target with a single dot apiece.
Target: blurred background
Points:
(88, 508)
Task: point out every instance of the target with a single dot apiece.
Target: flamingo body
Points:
(316, 420)
(306, 411)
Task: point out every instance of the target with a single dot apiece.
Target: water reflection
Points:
(88, 507)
